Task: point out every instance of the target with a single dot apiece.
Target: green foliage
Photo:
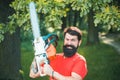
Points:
(1, 32)
(53, 10)
(50, 13)
(21, 16)
(84, 6)
(81, 5)
(108, 17)
(3, 29)
(97, 5)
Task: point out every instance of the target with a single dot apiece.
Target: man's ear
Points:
(80, 42)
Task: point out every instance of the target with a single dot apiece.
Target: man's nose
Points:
(69, 42)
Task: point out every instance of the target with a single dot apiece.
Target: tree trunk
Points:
(64, 25)
(76, 18)
(9, 48)
(10, 57)
(71, 17)
(92, 37)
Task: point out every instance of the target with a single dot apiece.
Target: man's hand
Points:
(48, 69)
(34, 75)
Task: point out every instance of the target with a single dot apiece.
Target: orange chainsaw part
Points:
(51, 52)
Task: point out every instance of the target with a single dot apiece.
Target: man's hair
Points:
(73, 31)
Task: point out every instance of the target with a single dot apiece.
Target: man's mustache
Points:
(71, 46)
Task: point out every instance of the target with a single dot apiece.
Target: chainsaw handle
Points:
(43, 58)
(49, 39)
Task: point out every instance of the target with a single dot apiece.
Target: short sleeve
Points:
(80, 68)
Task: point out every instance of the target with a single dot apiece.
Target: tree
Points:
(10, 47)
(54, 11)
(10, 57)
(93, 8)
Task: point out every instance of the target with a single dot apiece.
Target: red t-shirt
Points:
(66, 66)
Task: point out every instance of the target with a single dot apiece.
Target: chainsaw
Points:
(41, 43)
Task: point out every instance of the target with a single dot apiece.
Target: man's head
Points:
(72, 39)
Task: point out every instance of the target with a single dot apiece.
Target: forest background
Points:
(91, 16)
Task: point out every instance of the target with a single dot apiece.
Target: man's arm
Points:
(49, 71)
(74, 76)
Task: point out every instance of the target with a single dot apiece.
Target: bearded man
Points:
(68, 65)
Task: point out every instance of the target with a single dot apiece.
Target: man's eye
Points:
(67, 39)
(73, 39)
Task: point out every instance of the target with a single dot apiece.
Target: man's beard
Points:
(69, 52)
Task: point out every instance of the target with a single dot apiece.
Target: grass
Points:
(103, 62)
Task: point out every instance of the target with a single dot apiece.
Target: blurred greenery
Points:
(103, 61)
